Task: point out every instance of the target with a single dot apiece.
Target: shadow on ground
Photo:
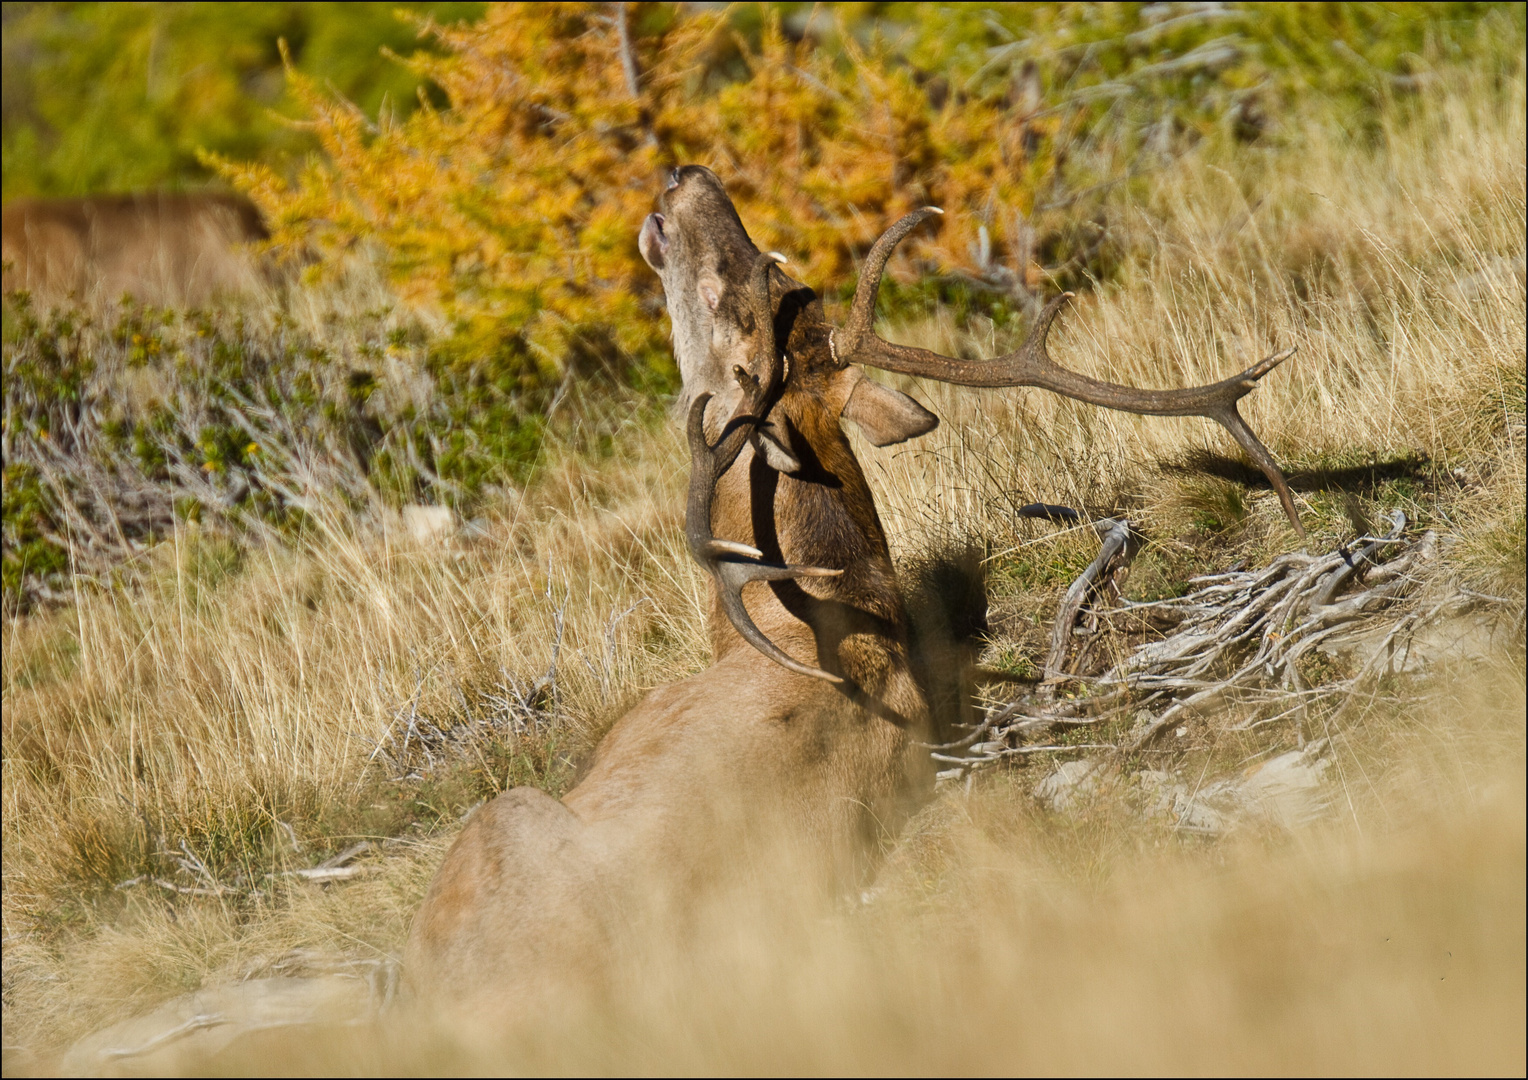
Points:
(1355, 479)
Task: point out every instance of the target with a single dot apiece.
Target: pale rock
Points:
(1287, 791)
(1072, 782)
(429, 525)
(1467, 638)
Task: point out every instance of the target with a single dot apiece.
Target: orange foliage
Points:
(516, 208)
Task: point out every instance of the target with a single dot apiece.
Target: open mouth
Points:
(653, 242)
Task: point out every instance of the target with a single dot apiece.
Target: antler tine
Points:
(862, 313)
(766, 356)
(731, 575)
(1031, 365)
(731, 564)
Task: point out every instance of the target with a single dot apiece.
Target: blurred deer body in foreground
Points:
(180, 250)
(804, 734)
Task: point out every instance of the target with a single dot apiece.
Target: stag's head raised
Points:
(708, 263)
(762, 366)
(703, 255)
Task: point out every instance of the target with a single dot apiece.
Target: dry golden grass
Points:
(1010, 943)
(226, 691)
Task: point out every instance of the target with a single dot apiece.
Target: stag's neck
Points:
(823, 516)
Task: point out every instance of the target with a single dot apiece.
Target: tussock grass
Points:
(228, 695)
(1396, 272)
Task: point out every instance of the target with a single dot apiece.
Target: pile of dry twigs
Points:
(1231, 647)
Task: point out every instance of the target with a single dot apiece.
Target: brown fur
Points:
(165, 249)
(706, 780)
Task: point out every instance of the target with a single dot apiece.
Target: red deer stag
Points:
(808, 724)
(160, 248)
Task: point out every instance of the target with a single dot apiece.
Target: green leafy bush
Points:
(118, 97)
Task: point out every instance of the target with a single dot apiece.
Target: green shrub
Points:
(117, 427)
(117, 97)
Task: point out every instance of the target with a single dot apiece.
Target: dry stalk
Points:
(414, 745)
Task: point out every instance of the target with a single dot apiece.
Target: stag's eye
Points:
(673, 180)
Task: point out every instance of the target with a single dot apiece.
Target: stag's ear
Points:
(885, 415)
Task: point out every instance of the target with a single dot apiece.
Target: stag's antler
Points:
(732, 565)
(1030, 365)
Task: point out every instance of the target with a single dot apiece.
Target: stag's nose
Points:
(652, 241)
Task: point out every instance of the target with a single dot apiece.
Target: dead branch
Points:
(196, 1023)
(1115, 547)
(325, 873)
(345, 856)
(1236, 640)
(170, 886)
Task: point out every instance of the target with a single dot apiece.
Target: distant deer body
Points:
(168, 249)
(807, 725)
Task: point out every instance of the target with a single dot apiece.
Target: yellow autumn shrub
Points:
(515, 209)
